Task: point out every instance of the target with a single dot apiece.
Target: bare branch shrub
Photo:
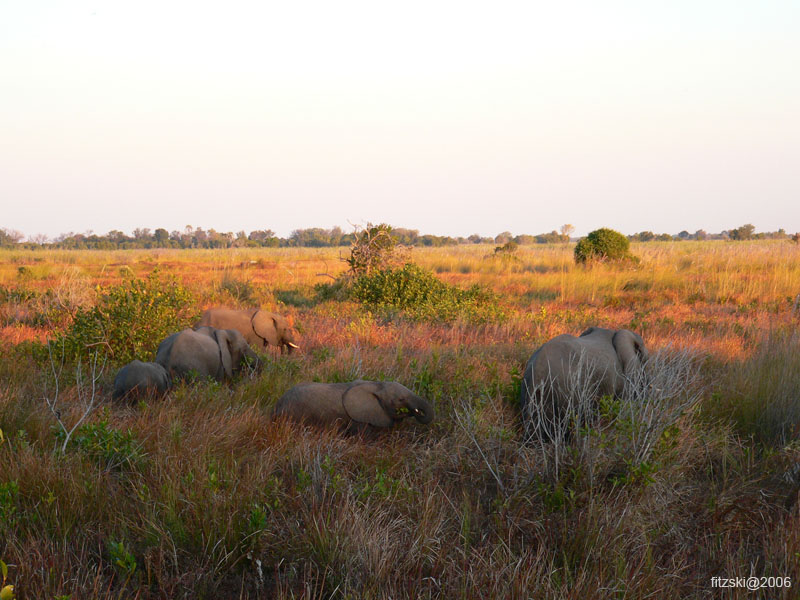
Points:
(556, 415)
(86, 390)
(374, 247)
(656, 396)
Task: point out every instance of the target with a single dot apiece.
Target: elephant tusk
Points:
(291, 345)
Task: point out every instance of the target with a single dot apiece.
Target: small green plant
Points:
(304, 480)
(258, 518)
(129, 320)
(384, 487)
(329, 467)
(602, 244)
(9, 491)
(122, 558)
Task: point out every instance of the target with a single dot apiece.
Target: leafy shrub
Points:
(16, 295)
(508, 248)
(129, 320)
(602, 244)
(106, 445)
(421, 296)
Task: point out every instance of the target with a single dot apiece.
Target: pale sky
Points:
(448, 117)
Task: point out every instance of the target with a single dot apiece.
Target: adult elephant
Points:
(353, 406)
(597, 363)
(205, 352)
(139, 378)
(259, 327)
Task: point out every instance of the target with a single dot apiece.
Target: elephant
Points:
(139, 378)
(601, 360)
(205, 352)
(354, 406)
(259, 327)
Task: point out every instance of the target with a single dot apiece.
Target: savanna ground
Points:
(202, 496)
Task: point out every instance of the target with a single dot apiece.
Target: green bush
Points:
(129, 321)
(420, 295)
(602, 244)
(105, 445)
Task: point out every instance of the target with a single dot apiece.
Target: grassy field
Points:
(203, 496)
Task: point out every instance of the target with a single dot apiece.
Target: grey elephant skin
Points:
(137, 379)
(354, 406)
(259, 327)
(205, 352)
(610, 355)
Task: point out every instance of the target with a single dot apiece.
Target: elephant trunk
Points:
(252, 359)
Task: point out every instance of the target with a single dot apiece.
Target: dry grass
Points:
(218, 501)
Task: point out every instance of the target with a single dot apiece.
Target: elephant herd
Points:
(219, 346)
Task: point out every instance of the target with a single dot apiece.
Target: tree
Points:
(567, 230)
(261, 235)
(602, 244)
(9, 237)
(745, 232)
(525, 240)
(161, 235)
(502, 238)
(39, 238)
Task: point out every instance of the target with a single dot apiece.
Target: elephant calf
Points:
(353, 405)
(139, 378)
(205, 352)
(259, 327)
(599, 361)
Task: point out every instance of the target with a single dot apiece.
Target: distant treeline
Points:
(316, 237)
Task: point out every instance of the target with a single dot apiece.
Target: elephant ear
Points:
(630, 350)
(265, 326)
(361, 403)
(224, 344)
